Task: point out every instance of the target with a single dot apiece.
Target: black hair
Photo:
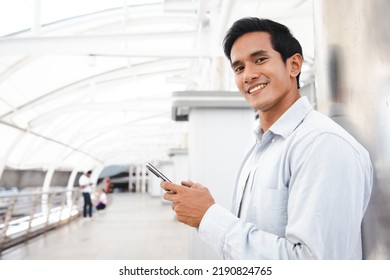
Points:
(282, 39)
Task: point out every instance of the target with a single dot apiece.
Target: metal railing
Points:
(25, 215)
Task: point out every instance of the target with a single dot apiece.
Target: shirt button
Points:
(273, 140)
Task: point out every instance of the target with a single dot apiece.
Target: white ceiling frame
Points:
(104, 107)
(119, 45)
(101, 78)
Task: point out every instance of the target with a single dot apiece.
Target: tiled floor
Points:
(134, 226)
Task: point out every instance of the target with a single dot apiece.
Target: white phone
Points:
(157, 172)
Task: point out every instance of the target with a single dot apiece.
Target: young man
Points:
(302, 190)
(86, 189)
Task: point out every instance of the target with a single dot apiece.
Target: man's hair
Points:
(282, 39)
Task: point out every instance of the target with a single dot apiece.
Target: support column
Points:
(46, 188)
(166, 167)
(143, 178)
(131, 177)
(138, 179)
(221, 126)
(69, 188)
(180, 162)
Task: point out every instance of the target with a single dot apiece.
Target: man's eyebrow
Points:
(258, 53)
(254, 54)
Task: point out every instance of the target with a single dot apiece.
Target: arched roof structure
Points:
(87, 83)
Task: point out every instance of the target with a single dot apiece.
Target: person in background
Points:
(102, 200)
(86, 189)
(303, 188)
(107, 180)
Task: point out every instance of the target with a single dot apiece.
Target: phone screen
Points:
(157, 172)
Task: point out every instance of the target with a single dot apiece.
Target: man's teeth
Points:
(261, 86)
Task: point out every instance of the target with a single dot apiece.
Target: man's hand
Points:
(190, 201)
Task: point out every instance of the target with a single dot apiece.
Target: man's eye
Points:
(238, 69)
(261, 59)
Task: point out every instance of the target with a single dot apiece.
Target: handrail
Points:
(25, 215)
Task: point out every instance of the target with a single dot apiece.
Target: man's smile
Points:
(256, 88)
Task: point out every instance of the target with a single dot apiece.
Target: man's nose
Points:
(250, 74)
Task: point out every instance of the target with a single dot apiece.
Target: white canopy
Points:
(89, 83)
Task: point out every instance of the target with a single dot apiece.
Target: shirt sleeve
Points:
(233, 239)
(327, 200)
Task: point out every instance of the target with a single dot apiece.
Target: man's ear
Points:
(295, 62)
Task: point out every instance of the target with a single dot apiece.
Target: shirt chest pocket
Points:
(271, 209)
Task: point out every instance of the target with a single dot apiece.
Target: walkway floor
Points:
(134, 226)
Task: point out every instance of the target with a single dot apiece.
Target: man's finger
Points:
(191, 184)
(169, 196)
(170, 187)
(187, 183)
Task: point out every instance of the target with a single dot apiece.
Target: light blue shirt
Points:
(307, 183)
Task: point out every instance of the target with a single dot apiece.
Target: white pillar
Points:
(180, 161)
(137, 178)
(131, 168)
(69, 187)
(36, 17)
(220, 132)
(46, 188)
(166, 167)
(154, 183)
(48, 177)
(143, 178)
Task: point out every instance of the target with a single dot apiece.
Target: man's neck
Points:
(269, 117)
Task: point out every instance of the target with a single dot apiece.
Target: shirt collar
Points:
(290, 120)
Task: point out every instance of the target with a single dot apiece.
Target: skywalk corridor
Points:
(133, 226)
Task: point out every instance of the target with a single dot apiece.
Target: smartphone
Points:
(157, 172)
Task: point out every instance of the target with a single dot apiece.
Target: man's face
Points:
(261, 75)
